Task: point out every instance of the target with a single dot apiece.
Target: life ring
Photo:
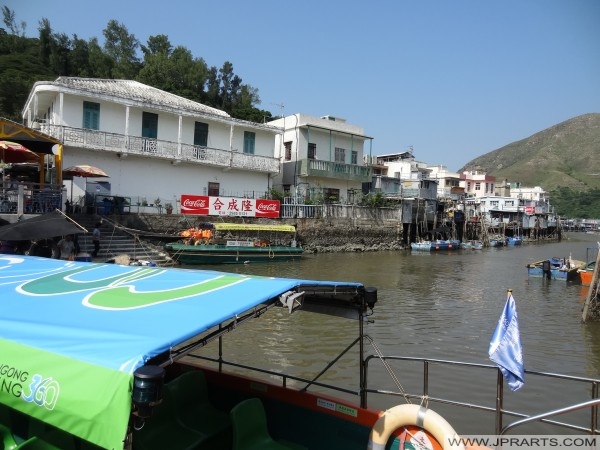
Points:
(404, 415)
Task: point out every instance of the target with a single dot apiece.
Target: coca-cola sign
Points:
(229, 206)
(194, 204)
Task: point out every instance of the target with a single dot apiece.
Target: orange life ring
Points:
(404, 415)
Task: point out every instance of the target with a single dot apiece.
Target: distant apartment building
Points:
(477, 183)
(321, 158)
(401, 176)
(448, 183)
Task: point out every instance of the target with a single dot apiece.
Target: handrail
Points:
(556, 412)
(499, 409)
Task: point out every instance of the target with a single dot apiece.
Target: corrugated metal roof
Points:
(136, 92)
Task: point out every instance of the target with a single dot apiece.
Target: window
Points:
(331, 195)
(150, 131)
(91, 115)
(213, 189)
(312, 151)
(149, 125)
(477, 186)
(249, 139)
(354, 157)
(201, 134)
(288, 150)
(340, 155)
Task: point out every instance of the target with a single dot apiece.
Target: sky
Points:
(451, 79)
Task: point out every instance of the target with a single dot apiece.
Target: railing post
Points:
(594, 423)
(499, 400)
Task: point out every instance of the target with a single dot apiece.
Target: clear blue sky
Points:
(453, 79)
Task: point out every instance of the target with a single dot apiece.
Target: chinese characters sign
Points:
(229, 206)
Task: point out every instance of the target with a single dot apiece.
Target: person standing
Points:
(66, 247)
(96, 239)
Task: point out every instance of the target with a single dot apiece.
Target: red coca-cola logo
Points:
(194, 203)
(267, 207)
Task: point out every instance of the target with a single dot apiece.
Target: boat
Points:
(514, 240)
(555, 269)
(235, 243)
(471, 245)
(497, 241)
(110, 356)
(445, 244)
(586, 273)
(422, 246)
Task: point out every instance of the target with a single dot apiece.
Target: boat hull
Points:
(445, 245)
(557, 269)
(223, 254)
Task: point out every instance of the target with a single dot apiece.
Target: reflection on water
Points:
(438, 305)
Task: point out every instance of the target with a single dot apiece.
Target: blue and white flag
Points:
(505, 347)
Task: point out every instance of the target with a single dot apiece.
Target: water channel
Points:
(435, 305)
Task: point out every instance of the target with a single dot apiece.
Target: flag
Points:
(505, 346)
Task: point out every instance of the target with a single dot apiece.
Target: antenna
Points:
(281, 107)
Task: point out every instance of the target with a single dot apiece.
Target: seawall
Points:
(315, 235)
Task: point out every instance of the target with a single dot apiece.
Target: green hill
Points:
(566, 155)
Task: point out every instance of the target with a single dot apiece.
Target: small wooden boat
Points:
(235, 243)
(471, 245)
(514, 240)
(586, 273)
(555, 269)
(443, 244)
(422, 246)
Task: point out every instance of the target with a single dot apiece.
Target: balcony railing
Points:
(156, 148)
(330, 169)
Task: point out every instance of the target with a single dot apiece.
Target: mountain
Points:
(566, 155)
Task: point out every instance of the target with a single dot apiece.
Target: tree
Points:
(101, 65)
(9, 19)
(121, 47)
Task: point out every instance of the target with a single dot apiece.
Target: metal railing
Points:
(499, 410)
(424, 396)
(124, 145)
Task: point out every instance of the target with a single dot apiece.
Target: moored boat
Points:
(555, 269)
(586, 273)
(445, 244)
(135, 360)
(423, 246)
(471, 245)
(514, 240)
(235, 243)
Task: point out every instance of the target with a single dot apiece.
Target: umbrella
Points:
(84, 171)
(40, 227)
(14, 153)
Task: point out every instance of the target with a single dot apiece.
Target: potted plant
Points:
(169, 207)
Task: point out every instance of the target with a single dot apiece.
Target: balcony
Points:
(156, 148)
(330, 169)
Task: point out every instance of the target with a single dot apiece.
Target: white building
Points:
(152, 144)
(449, 183)
(321, 157)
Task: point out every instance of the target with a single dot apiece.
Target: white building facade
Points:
(152, 144)
(321, 158)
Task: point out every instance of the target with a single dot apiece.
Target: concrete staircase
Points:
(115, 242)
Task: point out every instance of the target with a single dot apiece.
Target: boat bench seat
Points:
(250, 430)
(185, 419)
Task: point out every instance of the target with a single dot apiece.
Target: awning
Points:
(73, 333)
(45, 226)
(35, 141)
(222, 226)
